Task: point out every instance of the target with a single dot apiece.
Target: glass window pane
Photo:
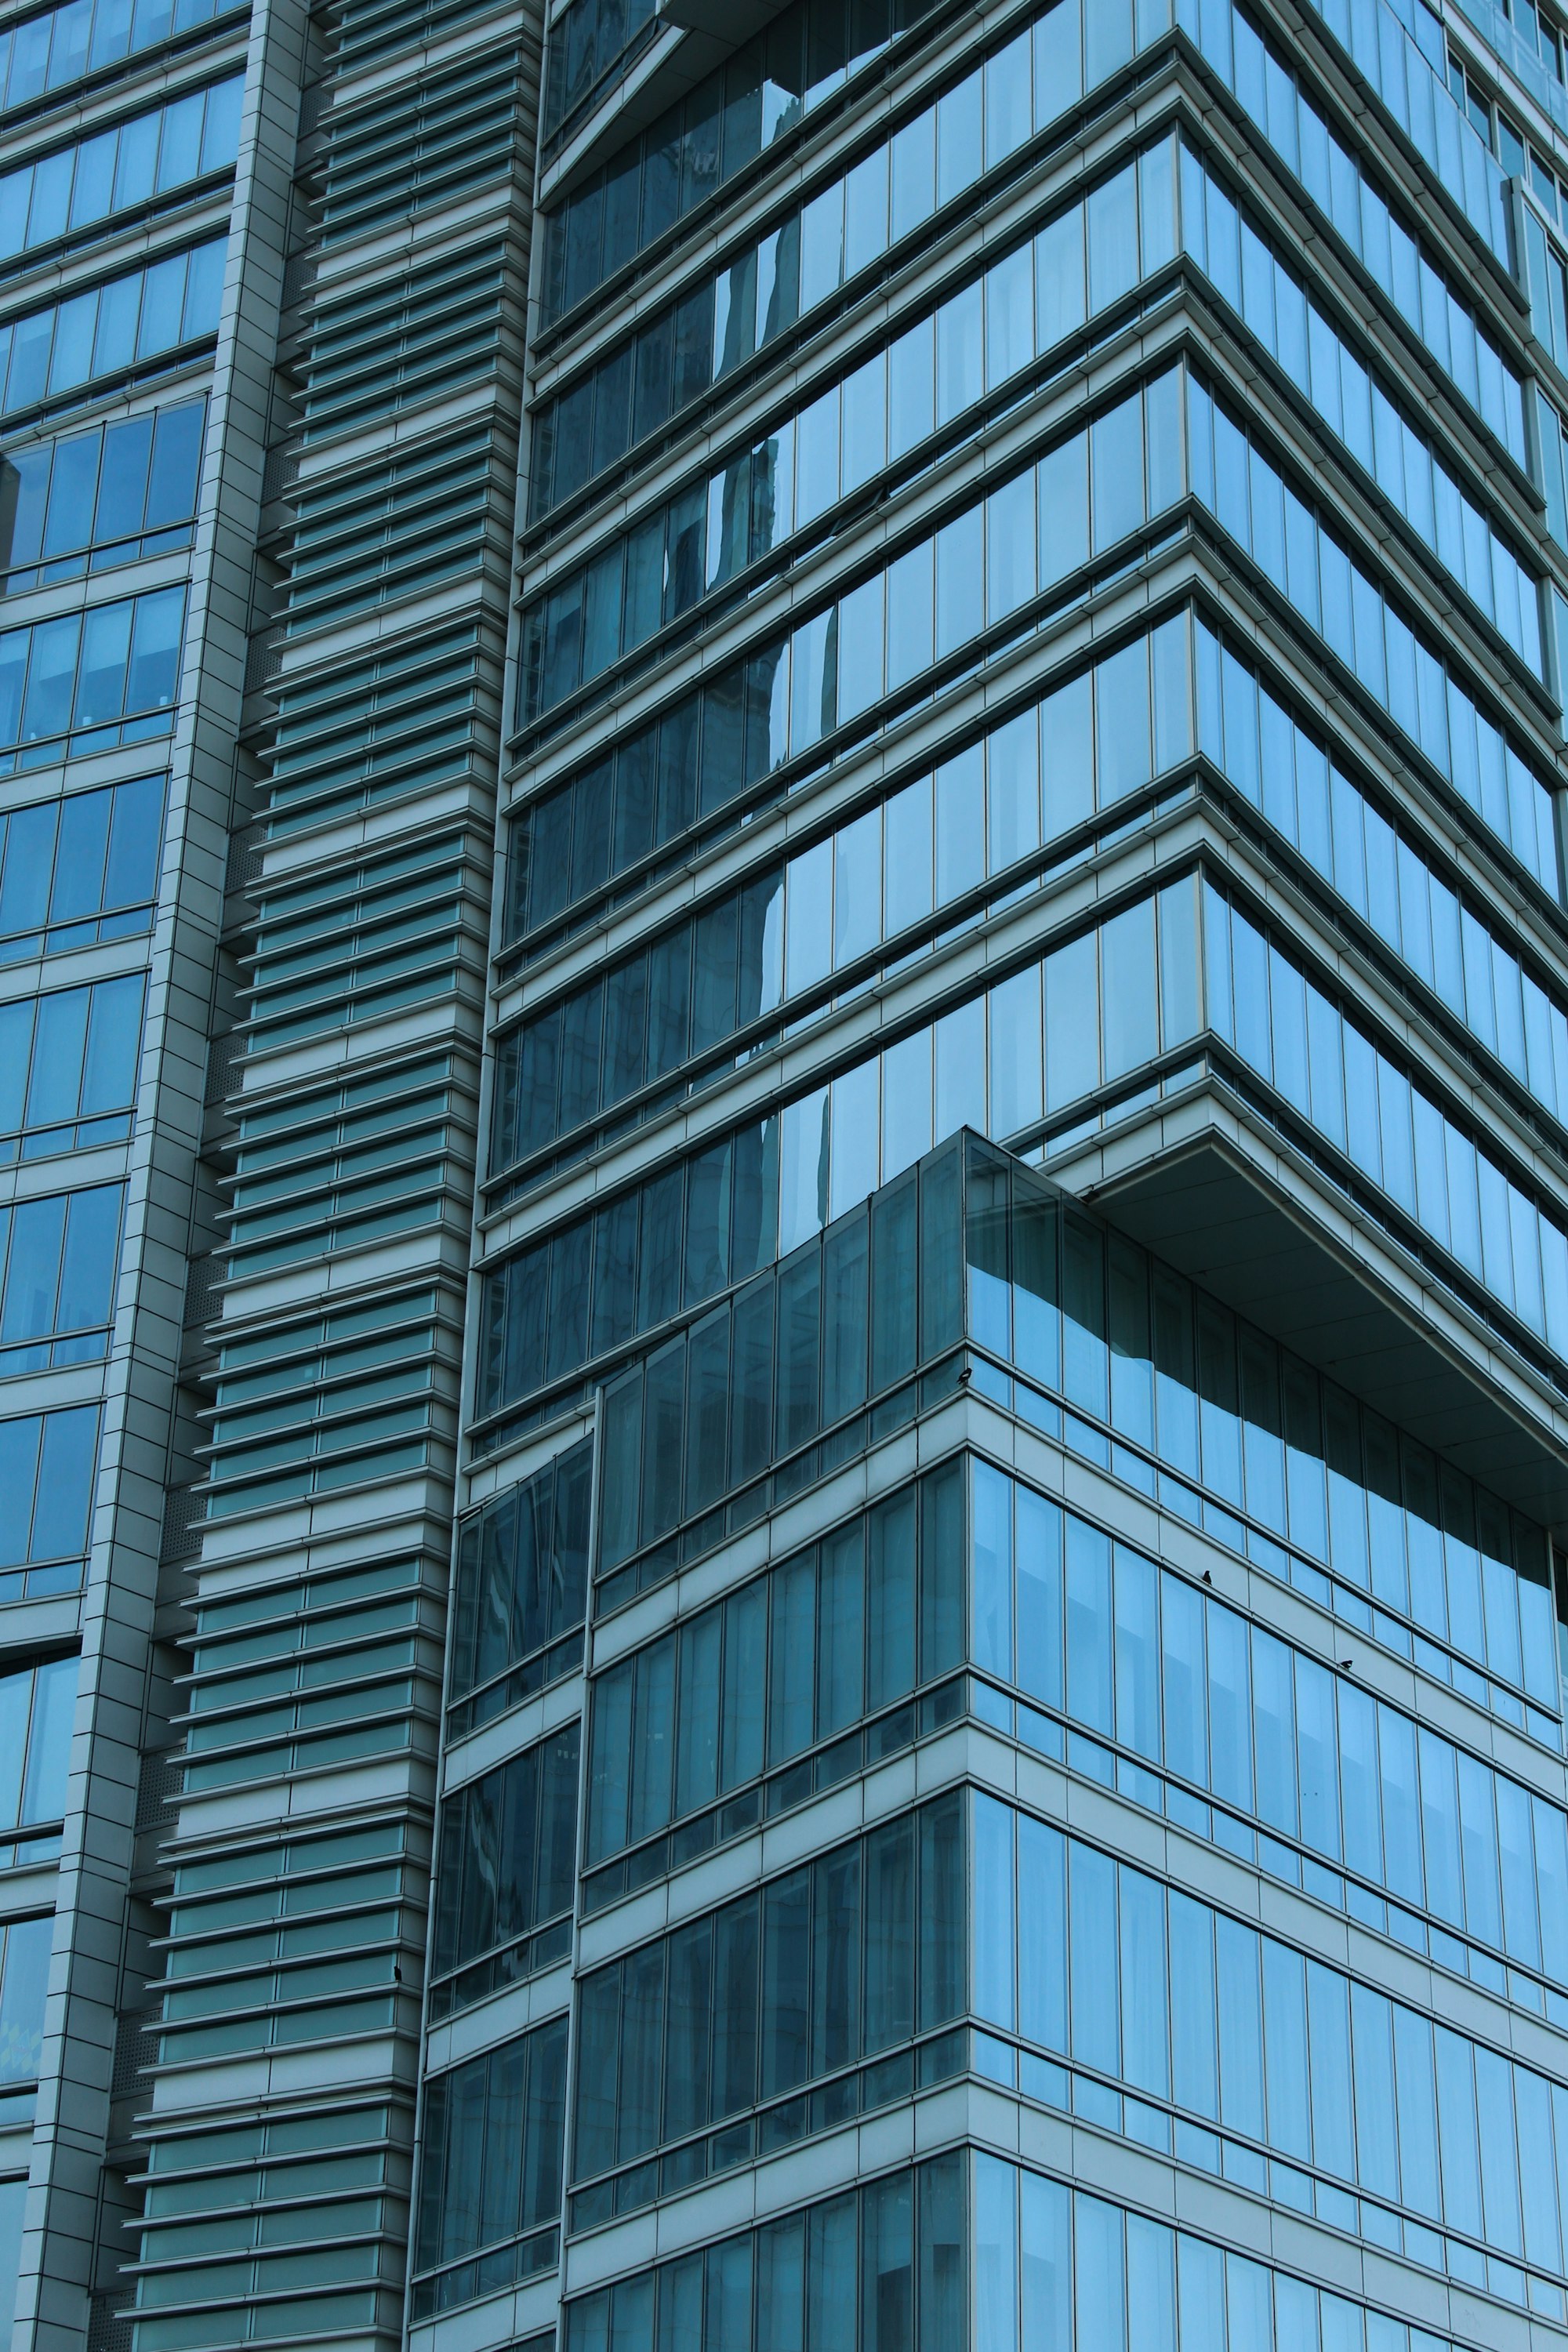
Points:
(56, 1082)
(162, 295)
(100, 684)
(153, 675)
(83, 841)
(51, 674)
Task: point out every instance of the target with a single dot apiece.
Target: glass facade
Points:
(76, 187)
(79, 870)
(111, 330)
(836, 1962)
(509, 1843)
(48, 1459)
(1118, 1993)
(1086, 259)
(510, 2098)
(1028, 1040)
(784, 1177)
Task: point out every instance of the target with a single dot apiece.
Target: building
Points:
(264, 305)
(784, 1196)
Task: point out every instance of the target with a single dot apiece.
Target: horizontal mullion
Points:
(439, 555)
(388, 773)
(357, 1671)
(436, 111)
(433, 101)
(285, 1005)
(394, 704)
(295, 1245)
(415, 138)
(250, 1226)
(387, 725)
(460, 358)
(348, 357)
(228, 1725)
(394, 194)
(273, 1005)
(351, 1008)
(468, 457)
(335, 581)
(236, 1433)
(408, 518)
(485, 144)
(408, 302)
(353, 932)
(373, 760)
(423, 1153)
(398, 391)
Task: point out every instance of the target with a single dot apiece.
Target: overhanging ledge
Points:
(730, 21)
(1212, 1206)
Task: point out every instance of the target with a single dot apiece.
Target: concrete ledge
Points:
(1211, 1210)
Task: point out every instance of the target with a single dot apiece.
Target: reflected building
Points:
(783, 1176)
